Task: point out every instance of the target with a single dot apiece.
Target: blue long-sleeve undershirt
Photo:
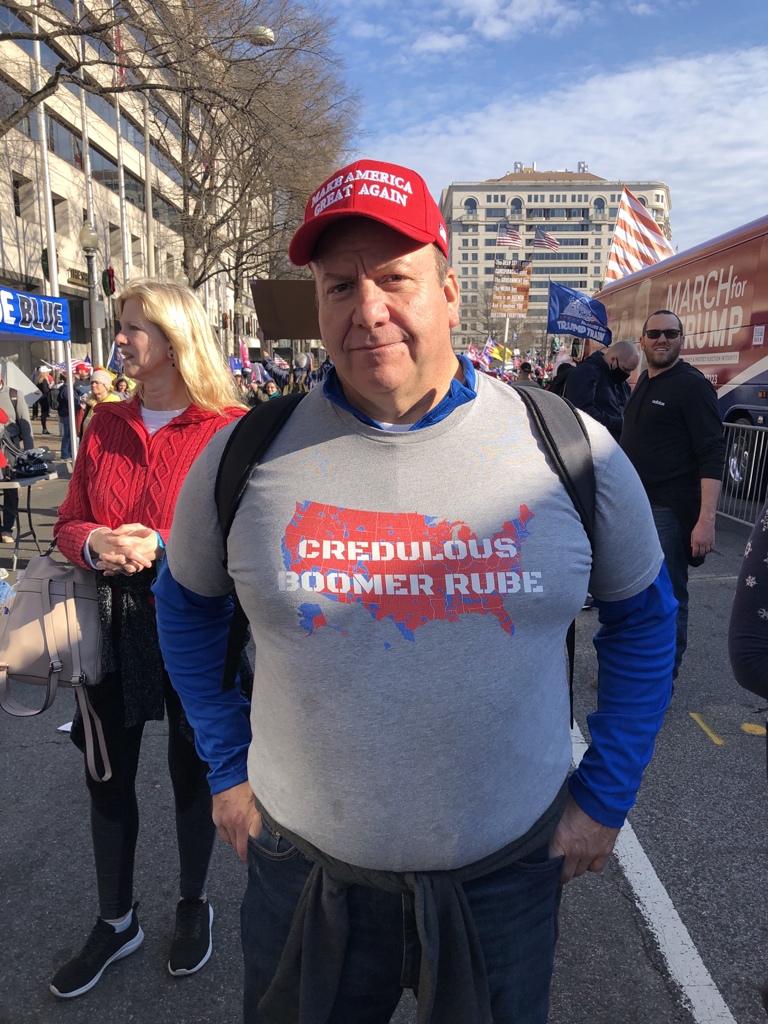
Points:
(635, 649)
(193, 634)
(635, 654)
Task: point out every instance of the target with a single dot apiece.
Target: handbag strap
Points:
(74, 633)
(91, 719)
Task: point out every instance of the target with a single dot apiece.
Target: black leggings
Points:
(115, 811)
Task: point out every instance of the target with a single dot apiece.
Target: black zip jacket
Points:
(673, 436)
(590, 388)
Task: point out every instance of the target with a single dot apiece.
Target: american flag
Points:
(542, 240)
(637, 240)
(476, 355)
(509, 236)
(118, 71)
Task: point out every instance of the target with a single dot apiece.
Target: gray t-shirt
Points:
(409, 596)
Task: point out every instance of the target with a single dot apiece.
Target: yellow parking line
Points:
(753, 729)
(718, 740)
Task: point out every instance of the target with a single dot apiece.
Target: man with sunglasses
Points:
(673, 436)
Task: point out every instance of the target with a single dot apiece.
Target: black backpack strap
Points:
(567, 444)
(245, 449)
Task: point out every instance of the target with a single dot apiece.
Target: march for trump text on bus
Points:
(572, 312)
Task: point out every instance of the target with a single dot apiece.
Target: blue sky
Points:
(675, 90)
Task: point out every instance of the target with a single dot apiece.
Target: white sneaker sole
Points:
(125, 950)
(180, 973)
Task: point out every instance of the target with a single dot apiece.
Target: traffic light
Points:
(108, 281)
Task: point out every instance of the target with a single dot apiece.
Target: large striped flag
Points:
(637, 240)
(477, 356)
(509, 236)
(543, 240)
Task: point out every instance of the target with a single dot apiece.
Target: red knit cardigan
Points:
(122, 475)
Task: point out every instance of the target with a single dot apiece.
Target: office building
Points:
(576, 208)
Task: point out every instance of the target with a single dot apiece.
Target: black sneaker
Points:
(192, 941)
(103, 947)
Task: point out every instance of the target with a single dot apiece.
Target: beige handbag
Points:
(52, 638)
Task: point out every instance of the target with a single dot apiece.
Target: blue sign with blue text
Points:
(572, 312)
(34, 317)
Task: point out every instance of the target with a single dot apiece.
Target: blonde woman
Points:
(115, 520)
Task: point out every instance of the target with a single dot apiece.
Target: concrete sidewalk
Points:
(45, 498)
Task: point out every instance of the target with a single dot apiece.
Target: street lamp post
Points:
(89, 242)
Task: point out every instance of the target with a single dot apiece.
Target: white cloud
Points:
(510, 19)
(438, 42)
(697, 123)
(363, 30)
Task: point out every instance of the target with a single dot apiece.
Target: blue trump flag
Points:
(34, 317)
(574, 313)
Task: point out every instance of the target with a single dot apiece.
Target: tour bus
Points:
(720, 292)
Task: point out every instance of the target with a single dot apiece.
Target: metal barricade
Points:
(745, 477)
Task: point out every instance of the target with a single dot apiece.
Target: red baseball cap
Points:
(82, 366)
(388, 193)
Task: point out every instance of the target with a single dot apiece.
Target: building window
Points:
(489, 199)
(496, 211)
(23, 197)
(470, 206)
(60, 218)
(517, 206)
(465, 255)
(474, 255)
(137, 256)
(475, 242)
(465, 241)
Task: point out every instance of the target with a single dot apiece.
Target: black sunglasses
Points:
(670, 333)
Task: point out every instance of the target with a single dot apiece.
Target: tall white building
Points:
(576, 208)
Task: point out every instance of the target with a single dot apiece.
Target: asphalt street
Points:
(698, 819)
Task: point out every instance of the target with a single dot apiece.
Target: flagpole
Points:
(119, 79)
(42, 131)
(96, 337)
(148, 193)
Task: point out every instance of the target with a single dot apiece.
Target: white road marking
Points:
(686, 968)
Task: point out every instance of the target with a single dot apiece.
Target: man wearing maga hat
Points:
(409, 563)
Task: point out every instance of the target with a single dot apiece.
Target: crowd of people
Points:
(397, 773)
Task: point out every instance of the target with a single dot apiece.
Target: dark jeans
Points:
(10, 510)
(675, 543)
(43, 407)
(66, 440)
(515, 912)
(115, 811)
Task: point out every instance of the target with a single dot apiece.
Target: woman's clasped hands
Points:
(125, 550)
